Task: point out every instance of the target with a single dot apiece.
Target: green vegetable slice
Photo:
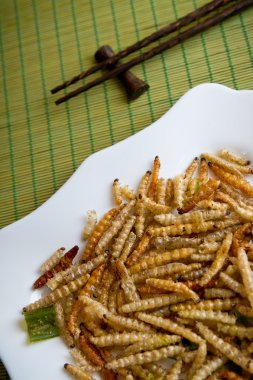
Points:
(41, 324)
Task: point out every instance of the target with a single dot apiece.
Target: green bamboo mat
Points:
(45, 42)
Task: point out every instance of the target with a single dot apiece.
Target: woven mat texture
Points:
(44, 42)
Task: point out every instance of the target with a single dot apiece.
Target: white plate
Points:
(206, 118)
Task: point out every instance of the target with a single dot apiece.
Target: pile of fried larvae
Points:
(166, 274)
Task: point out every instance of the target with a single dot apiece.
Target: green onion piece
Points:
(41, 324)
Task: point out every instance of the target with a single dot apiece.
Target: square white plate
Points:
(206, 118)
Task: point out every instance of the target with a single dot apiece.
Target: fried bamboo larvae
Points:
(190, 228)
(210, 315)
(208, 368)
(176, 287)
(98, 231)
(193, 187)
(112, 299)
(208, 305)
(243, 201)
(212, 205)
(122, 237)
(119, 339)
(233, 180)
(77, 372)
(194, 274)
(91, 321)
(52, 260)
(90, 351)
(145, 357)
(229, 375)
(116, 321)
(141, 212)
(179, 186)
(161, 191)
(114, 228)
(232, 284)
(154, 207)
(231, 167)
(219, 293)
(245, 310)
(154, 178)
(164, 270)
(73, 325)
(169, 325)
(127, 283)
(161, 259)
(199, 258)
(81, 361)
(121, 323)
(58, 294)
(169, 192)
(144, 183)
(191, 217)
(64, 263)
(127, 249)
(158, 371)
(238, 237)
(90, 224)
(174, 371)
(203, 171)
(107, 280)
(127, 193)
(142, 246)
(153, 342)
(198, 360)
(141, 373)
(233, 157)
(118, 199)
(90, 288)
(239, 331)
(242, 212)
(219, 260)
(168, 242)
(206, 191)
(246, 273)
(75, 271)
(227, 349)
(60, 322)
(209, 247)
(152, 303)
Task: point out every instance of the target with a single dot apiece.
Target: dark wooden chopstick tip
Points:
(215, 19)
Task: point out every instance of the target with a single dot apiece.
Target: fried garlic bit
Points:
(168, 268)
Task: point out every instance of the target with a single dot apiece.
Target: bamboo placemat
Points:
(44, 42)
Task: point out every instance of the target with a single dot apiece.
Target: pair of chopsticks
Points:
(224, 13)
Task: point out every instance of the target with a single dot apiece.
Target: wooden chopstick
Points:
(168, 29)
(207, 23)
